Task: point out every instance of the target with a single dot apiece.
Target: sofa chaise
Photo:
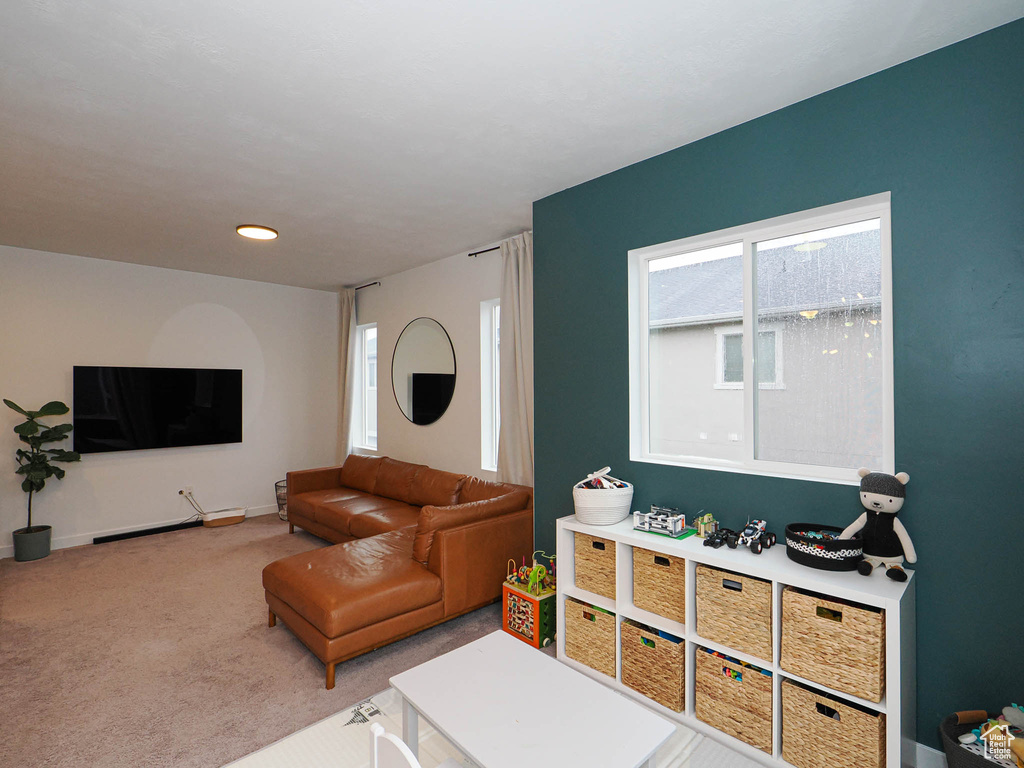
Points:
(413, 547)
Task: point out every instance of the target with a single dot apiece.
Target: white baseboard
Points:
(927, 757)
(63, 542)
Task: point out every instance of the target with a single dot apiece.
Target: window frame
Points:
(871, 207)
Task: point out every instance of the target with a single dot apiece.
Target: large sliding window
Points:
(814, 290)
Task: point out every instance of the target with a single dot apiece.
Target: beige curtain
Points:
(515, 438)
(346, 370)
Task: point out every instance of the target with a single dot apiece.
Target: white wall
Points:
(450, 291)
(57, 311)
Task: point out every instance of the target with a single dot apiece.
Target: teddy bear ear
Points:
(863, 472)
(903, 477)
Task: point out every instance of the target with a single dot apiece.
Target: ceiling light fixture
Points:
(256, 232)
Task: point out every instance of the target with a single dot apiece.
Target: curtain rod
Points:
(485, 250)
(368, 285)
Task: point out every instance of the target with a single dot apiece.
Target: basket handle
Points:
(828, 613)
(647, 641)
(659, 560)
(737, 674)
(828, 712)
(588, 615)
(597, 545)
(735, 586)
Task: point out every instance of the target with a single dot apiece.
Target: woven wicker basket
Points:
(834, 643)
(602, 506)
(735, 610)
(653, 665)
(590, 636)
(595, 565)
(821, 732)
(659, 584)
(735, 699)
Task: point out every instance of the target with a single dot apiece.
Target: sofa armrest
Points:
(306, 480)
(472, 560)
(433, 519)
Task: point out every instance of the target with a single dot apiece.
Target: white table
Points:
(506, 705)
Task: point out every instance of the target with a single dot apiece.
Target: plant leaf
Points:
(15, 407)
(58, 472)
(27, 428)
(26, 485)
(52, 436)
(21, 470)
(62, 455)
(52, 408)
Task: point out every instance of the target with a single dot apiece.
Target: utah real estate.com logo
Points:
(997, 742)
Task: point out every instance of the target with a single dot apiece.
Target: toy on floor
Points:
(529, 597)
(885, 540)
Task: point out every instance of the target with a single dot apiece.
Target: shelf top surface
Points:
(772, 563)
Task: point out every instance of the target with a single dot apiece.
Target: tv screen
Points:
(431, 393)
(130, 409)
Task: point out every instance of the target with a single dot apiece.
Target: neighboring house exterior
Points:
(820, 355)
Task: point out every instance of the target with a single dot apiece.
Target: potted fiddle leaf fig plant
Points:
(34, 465)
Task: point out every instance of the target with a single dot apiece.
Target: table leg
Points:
(410, 728)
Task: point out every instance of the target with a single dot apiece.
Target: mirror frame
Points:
(455, 370)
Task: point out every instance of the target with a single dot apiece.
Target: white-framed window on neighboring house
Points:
(364, 411)
(814, 289)
(729, 357)
(490, 403)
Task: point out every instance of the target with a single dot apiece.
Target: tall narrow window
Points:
(490, 404)
(813, 291)
(364, 417)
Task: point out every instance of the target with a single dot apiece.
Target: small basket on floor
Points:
(281, 489)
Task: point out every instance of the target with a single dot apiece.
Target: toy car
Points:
(722, 536)
(755, 536)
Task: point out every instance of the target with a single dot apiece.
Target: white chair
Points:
(389, 751)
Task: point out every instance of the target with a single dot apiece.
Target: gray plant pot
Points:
(32, 543)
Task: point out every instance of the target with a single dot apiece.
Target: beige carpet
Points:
(155, 652)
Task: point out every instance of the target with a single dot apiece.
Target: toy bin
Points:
(735, 610)
(659, 584)
(595, 565)
(590, 636)
(834, 643)
(652, 664)
(820, 731)
(735, 698)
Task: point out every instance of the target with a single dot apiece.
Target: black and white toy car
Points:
(755, 535)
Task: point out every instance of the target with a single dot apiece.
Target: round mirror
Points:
(423, 371)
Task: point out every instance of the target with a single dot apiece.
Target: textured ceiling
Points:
(377, 136)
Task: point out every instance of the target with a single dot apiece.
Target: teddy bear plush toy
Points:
(886, 541)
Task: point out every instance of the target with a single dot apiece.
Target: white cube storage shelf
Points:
(898, 703)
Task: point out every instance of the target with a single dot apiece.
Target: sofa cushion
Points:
(339, 515)
(393, 518)
(360, 472)
(348, 586)
(395, 479)
(432, 486)
(436, 518)
(475, 489)
(305, 503)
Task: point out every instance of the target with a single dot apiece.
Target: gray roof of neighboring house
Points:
(788, 281)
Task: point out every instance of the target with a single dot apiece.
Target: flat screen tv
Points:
(131, 409)
(431, 393)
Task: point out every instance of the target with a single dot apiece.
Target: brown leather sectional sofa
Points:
(414, 547)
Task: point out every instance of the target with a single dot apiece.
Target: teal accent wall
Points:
(944, 134)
